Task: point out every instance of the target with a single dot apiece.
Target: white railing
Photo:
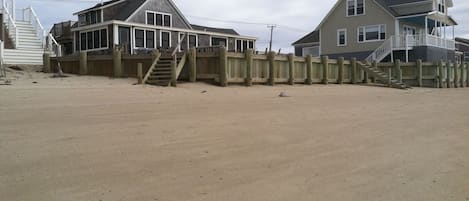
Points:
(2, 67)
(29, 15)
(11, 25)
(407, 43)
(382, 51)
(53, 46)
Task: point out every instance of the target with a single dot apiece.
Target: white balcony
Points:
(411, 41)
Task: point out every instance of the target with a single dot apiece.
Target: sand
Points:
(94, 138)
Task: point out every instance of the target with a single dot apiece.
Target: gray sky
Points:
(294, 18)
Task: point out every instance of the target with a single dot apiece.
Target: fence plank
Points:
(325, 69)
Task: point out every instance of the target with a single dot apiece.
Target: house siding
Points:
(159, 6)
(374, 15)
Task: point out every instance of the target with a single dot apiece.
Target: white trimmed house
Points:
(384, 30)
(143, 25)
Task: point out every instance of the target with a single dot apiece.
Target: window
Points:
(158, 19)
(139, 38)
(150, 18)
(355, 7)
(313, 51)
(215, 41)
(408, 30)
(150, 39)
(193, 41)
(441, 6)
(342, 37)
(165, 39)
(103, 37)
(92, 17)
(244, 45)
(371, 33)
(96, 39)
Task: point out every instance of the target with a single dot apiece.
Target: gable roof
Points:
(126, 8)
(215, 30)
(312, 37)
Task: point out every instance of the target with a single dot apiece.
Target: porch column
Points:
(445, 34)
(426, 25)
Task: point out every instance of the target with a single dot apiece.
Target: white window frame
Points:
(338, 37)
(242, 46)
(443, 3)
(355, 8)
(161, 38)
(145, 46)
(408, 27)
(226, 40)
(154, 17)
(364, 33)
(92, 30)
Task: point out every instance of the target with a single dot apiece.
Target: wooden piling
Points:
(398, 70)
(140, 73)
(271, 58)
(173, 74)
(448, 74)
(291, 66)
(325, 69)
(309, 70)
(419, 73)
(223, 67)
(46, 61)
(117, 62)
(440, 74)
(192, 54)
(83, 63)
(461, 76)
(354, 70)
(374, 65)
(340, 64)
(249, 62)
(456, 75)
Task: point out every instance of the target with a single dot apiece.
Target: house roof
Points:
(312, 37)
(462, 40)
(215, 30)
(127, 8)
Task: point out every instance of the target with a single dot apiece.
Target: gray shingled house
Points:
(141, 25)
(384, 30)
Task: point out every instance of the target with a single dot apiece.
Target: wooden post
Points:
(467, 74)
(448, 74)
(456, 75)
(223, 67)
(249, 62)
(419, 73)
(397, 66)
(390, 77)
(309, 70)
(375, 66)
(440, 74)
(46, 60)
(140, 73)
(461, 75)
(271, 58)
(354, 70)
(291, 66)
(173, 74)
(192, 65)
(325, 69)
(340, 64)
(117, 61)
(83, 63)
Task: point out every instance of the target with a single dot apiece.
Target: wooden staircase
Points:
(382, 76)
(165, 70)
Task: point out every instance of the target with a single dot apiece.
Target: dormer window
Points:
(158, 19)
(355, 7)
(441, 6)
(91, 17)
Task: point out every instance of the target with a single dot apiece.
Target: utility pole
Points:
(271, 27)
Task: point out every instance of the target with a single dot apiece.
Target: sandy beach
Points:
(100, 139)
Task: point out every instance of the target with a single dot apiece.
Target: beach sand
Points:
(86, 138)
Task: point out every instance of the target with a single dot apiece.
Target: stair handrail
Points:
(12, 28)
(36, 23)
(152, 67)
(53, 45)
(382, 51)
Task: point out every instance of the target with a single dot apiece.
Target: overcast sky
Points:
(294, 18)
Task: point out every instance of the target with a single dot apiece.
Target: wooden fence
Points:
(216, 64)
